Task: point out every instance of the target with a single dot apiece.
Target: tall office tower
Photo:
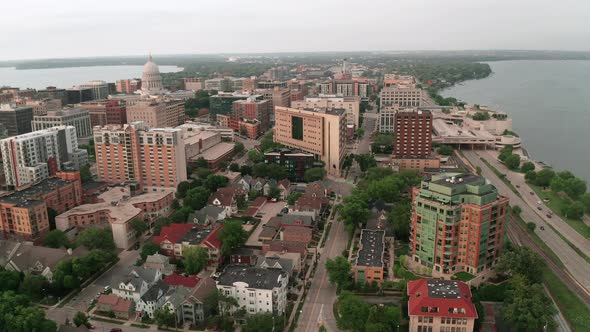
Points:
(100, 89)
(401, 91)
(413, 133)
(252, 109)
(458, 224)
(35, 156)
(15, 120)
(320, 133)
(328, 102)
(76, 117)
(157, 113)
(155, 158)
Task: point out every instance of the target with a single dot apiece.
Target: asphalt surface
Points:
(574, 263)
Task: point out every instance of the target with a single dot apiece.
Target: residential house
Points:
(135, 283)
(180, 280)
(153, 299)
(28, 258)
(297, 234)
(270, 184)
(308, 202)
(285, 189)
(275, 262)
(161, 263)
(244, 182)
(227, 198)
(208, 216)
(284, 246)
(296, 259)
(122, 309)
(257, 184)
(174, 238)
(243, 256)
(255, 289)
(193, 306)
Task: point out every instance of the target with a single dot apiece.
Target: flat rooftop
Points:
(372, 246)
(24, 197)
(215, 152)
(255, 277)
(443, 289)
(452, 180)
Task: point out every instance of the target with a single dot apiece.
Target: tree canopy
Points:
(353, 312)
(194, 259)
(522, 261)
(263, 322)
(56, 239)
(149, 248)
(314, 174)
(97, 238)
(339, 274)
(139, 226)
(17, 314)
(526, 306)
(232, 236)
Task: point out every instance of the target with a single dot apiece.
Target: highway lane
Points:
(575, 264)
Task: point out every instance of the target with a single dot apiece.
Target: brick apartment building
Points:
(369, 264)
(105, 112)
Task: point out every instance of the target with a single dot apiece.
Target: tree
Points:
(255, 156)
(478, 170)
(238, 147)
(544, 177)
(97, 238)
(196, 198)
(9, 280)
(575, 187)
(314, 174)
(85, 174)
(245, 170)
(149, 248)
(232, 236)
(365, 161)
(527, 307)
(339, 273)
(516, 210)
(202, 163)
(234, 167)
(81, 319)
(353, 312)
(574, 210)
(399, 218)
(481, 116)
(360, 132)
(294, 196)
(512, 161)
(202, 173)
(139, 226)
(505, 152)
(18, 315)
(182, 188)
(56, 239)
(164, 317)
(274, 192)
(445, 150)
(226, 303)
(214, 182)
(530, 176)
(195, 259)
(354, 210)
(347, 163)
(33, 285)
(263, 322)
(273, 171)
(527, 167)
(585, 200)
(523, 261)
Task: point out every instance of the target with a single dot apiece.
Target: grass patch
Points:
(326, 233)
(463, 276)
(501, 176)
(401, 272)
(141, 326)
(572, 307)
(556, 204)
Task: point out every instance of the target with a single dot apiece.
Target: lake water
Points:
(68, 77)
(549, 102)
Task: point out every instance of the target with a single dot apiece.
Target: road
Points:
(574, 263)
(363, 145)
(532, 200)
(81, 301)
(321, 295)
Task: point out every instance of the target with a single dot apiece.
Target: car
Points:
(116, 329)
(542, 228)
(107, 288)
(273, 200)
(517, 186)
(549, 215)
(532, 193)
(539, 208)
(285, 210)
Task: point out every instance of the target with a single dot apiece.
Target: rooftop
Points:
(179, 280)
(254, 277)
(29, 196)
(215, 152)
(371, 248)
(456, 180)
(444, 298)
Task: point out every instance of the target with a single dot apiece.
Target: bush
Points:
(531, 226)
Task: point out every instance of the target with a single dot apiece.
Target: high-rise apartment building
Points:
(100, 89)
(387, 119)
(328, 102)
(458, 224)
(347, 88)
(252, 109)
(108, 111)
(413, 133)
(157, 113)
(320, 133)
(400, 91)
(222, 103)
(15, 120)
(155, 158)
(76, 117)
(128, 85)
(35, 156)
(193, 83)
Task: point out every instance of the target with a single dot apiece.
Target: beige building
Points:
(76, 117)
(41, 107)
(155, 158)
(193, 83)
(320, 133)
(329, 102)
(401, 94)
(157, 113)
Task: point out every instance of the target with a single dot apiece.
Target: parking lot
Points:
(83, 300)
(269, 210)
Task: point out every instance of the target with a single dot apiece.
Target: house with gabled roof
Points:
(174, 238)
(153, 299)
(208, 216)
(135, 283)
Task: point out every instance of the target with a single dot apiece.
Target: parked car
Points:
(532, 193)
(116, 329)
(542, 228)
(539, 208)
(549, 215)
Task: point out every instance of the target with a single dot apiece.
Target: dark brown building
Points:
(413, 134)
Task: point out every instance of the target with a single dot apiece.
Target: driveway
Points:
(268, 211)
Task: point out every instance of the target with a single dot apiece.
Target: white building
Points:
(255, 289)
(77, 117)
(151, 80)
(350, 104)
(34, 156)
(403, 95)
(135, 283)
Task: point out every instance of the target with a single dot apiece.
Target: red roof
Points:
(212, 241)
(122, 306)
(178, 280)
(110, 299)
(258, 202)
(441, 298)
(172, 233)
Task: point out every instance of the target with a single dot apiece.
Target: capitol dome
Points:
(151, 81)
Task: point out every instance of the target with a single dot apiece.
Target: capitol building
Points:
(151, 80)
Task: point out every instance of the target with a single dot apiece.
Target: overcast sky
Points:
(73, 28)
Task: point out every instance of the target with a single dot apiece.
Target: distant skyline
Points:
(34, 29)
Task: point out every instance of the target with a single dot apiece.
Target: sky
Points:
(33, 29)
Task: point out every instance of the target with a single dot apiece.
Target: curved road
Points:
(575, 264)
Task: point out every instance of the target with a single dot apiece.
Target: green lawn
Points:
(555, 203)
(400, 272)
(574, 310)
(463, 276)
